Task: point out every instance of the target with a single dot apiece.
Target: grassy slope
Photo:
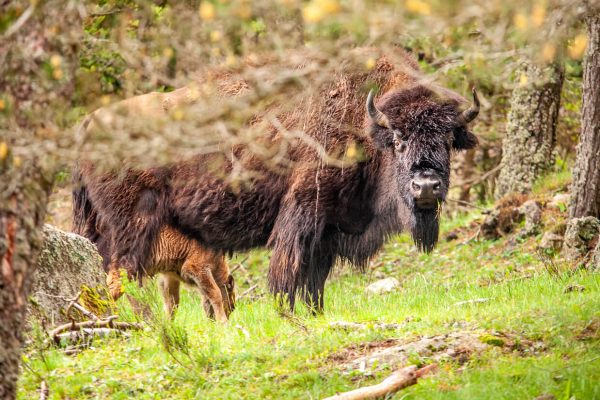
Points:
(289, 357)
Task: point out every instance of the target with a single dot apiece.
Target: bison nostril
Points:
(436, 186)
(416, 187)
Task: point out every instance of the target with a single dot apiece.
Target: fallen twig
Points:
(239, 265)
(243, 330)
(473, 237)
(470, 183)
(349, 326)
(104, 323)
(20, 21)
(83, 310)
(248, 291)
(44, 390)
(86, 335)
(400, 379)
(73, 303)
(466, 204)
(295, 320)
(105, 13)
(481, 300)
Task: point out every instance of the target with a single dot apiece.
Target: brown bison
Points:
(313, 212)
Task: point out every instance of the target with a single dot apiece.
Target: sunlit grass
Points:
(261, 354)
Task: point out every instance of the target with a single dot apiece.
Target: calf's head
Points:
(418, 130)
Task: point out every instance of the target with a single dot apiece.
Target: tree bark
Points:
(23, 196)
(585, 189)
(34, 103)
(527, 149)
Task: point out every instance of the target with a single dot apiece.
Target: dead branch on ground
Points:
(103, 323)
(248, 291)
(44, 390)
(74, 333)
(400, 379)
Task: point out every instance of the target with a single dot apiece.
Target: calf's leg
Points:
(113, 281)
(201, 276)
(169, 288)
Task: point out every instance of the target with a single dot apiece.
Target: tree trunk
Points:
(531, 129)
(34, 99)
(585, 189)
(23, 196)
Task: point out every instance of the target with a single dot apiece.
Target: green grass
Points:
(279, 357)
(558, 180)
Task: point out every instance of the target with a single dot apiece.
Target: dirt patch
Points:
(356, 350)
(590, 332)
(510, 342)
(452, 346)
(457, 347)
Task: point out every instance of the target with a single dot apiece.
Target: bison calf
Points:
(179, 259)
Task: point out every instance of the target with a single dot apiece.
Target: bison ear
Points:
(383, 138)
(463, 139)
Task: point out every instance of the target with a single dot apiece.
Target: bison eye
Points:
(399, 144)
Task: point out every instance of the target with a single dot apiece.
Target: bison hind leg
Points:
(201, 277)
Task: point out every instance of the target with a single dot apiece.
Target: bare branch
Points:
(400, 379)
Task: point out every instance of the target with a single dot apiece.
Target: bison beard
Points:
(310, 216)
(425, 229)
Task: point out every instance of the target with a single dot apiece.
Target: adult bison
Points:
(311, 212)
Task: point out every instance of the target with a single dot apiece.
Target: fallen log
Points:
(105, 323)
(87, 335)
(400, 379)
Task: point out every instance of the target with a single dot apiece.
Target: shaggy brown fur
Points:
(179, 259)
(313, 212)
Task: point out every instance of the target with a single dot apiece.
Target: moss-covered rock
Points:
(67, 264)
(581, 237)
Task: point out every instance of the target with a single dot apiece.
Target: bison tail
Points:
(85, 216)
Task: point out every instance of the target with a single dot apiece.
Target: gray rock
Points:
(580, 236)
(532, 211)
(383, 286)
(443, 347)
(560, 200)
(551, 241)
(66, 263)
(595, 265)
(489, 226)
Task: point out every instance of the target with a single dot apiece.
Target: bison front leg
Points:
(307, 274)
(318, 267)
(299, 262)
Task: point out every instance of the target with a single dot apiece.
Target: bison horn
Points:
(376, 115)
(470, 113)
